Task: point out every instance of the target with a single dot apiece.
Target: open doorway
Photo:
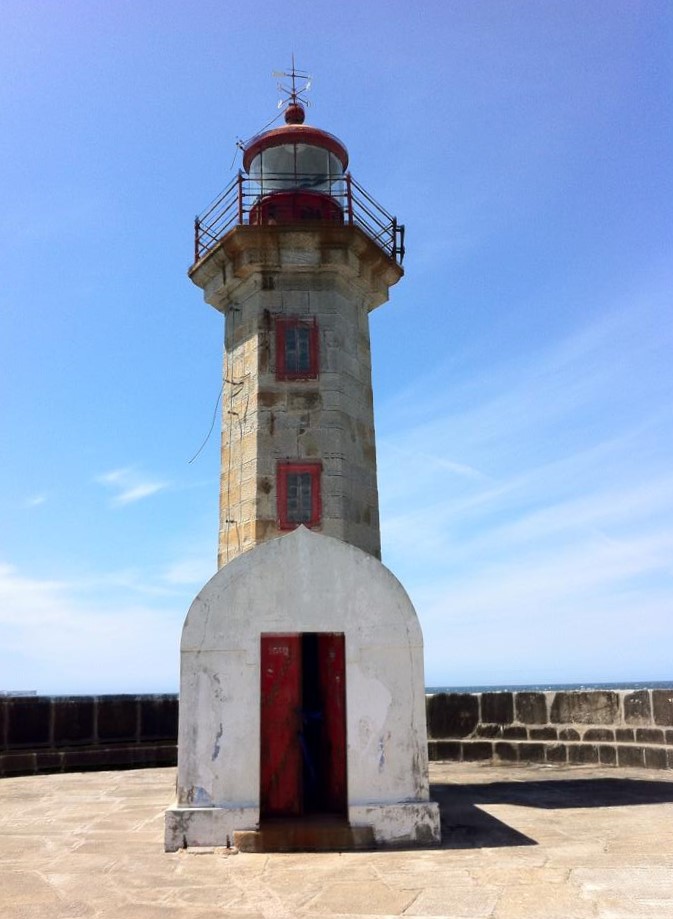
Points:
(303, 725)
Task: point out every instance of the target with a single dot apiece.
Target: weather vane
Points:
(293, 101)
(294, 94)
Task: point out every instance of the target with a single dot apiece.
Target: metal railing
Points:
(244, 200)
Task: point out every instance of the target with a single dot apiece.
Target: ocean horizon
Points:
(554, 687)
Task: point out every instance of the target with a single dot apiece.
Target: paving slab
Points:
(519, 842)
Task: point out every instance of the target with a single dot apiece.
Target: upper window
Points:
(296, 349)
(298, 490)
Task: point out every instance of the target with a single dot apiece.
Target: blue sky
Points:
(522, 368)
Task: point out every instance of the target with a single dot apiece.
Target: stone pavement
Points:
(524, 842)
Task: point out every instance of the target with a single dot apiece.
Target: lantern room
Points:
(293, 174)
(297, 171)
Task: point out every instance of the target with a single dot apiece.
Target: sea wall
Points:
(607, 727)
(625, 728)
(78, 733)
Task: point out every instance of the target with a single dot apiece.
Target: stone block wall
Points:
(327, 278)
(76, 733)
(625, 728)
(607, 727)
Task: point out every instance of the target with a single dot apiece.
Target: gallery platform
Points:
(519, 842)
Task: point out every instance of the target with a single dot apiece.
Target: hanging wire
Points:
(261, 130)
(236, 384)
(212, 425)
(239, 145)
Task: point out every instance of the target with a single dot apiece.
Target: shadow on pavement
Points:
(466, 826)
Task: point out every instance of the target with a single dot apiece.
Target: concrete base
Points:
(406, 824)
(413, 823)
(206, 826)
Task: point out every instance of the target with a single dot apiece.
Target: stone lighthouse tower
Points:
(302, 718)
(296, 255)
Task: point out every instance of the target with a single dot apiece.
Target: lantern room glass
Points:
(297, 166)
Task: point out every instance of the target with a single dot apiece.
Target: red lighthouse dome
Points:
(299, 171)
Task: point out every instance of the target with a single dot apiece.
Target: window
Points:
(298, 491)
(296, 349)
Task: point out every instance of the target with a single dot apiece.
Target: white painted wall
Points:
(303, 582)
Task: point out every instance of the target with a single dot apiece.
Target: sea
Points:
(554, 687)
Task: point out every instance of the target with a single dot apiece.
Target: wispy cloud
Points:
(530, 515)
(35, 501)
(190, 571)
(65, 637)
(130, 485)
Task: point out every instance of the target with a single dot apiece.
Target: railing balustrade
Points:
(245, 202)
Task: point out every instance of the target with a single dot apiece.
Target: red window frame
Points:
(282, 326)
(283, 471)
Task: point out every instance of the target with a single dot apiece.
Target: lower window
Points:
(298, 490)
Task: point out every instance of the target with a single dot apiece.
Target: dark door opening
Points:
(303, 725)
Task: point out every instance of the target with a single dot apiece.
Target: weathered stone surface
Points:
(89, 846)
(532, 752)
(18, 763)
(625, 735)
(48, 761)
(97, 758)
(497, 707)
(157, 735)
(598, 734)
(328, 415)
(73, 721)
(507, 752)
(662, 706)
(3, 723)
(568, 734)
(118, 718)
(452, 714)
(531, 707)
(449, 750)
(164, 755)
(582, 753)
(607, 754)
(556, 753)
(595, 707)
(29, 722)
(630, 755)
(655, 757)
(477, 750)
(547, 733)
(637, 708)
(159, 718)
(489, 730)
(514, 732)
(649, 735)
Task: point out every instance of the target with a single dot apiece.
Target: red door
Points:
(332, 677)
(281, 691)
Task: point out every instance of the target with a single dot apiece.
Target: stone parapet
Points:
(607, 727)
(41, 734)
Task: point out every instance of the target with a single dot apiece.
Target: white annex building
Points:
(302, 699)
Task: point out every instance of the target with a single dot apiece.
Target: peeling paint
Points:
(198, 797)
(216, 746)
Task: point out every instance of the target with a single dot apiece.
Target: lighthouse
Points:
(302, 718)
(296, 254)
